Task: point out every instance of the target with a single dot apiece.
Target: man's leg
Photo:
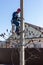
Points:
(17, 28)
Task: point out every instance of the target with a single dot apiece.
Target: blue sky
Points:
(33, 12)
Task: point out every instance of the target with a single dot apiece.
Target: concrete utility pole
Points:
(22, 41)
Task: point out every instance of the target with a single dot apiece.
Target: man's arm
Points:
(19, 18)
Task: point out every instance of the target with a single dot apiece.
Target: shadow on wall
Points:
(9, 56)
(33, 56)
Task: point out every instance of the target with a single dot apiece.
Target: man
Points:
(16, 19)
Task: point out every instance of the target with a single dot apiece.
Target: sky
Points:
(33, 12)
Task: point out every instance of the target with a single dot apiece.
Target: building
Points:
(33, 37)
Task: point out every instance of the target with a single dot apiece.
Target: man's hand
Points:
(19, 18)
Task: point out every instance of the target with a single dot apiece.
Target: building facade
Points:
(33, 37)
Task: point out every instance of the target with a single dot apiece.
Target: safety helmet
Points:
(18, 10)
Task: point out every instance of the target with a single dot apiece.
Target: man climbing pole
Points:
(16, 20)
